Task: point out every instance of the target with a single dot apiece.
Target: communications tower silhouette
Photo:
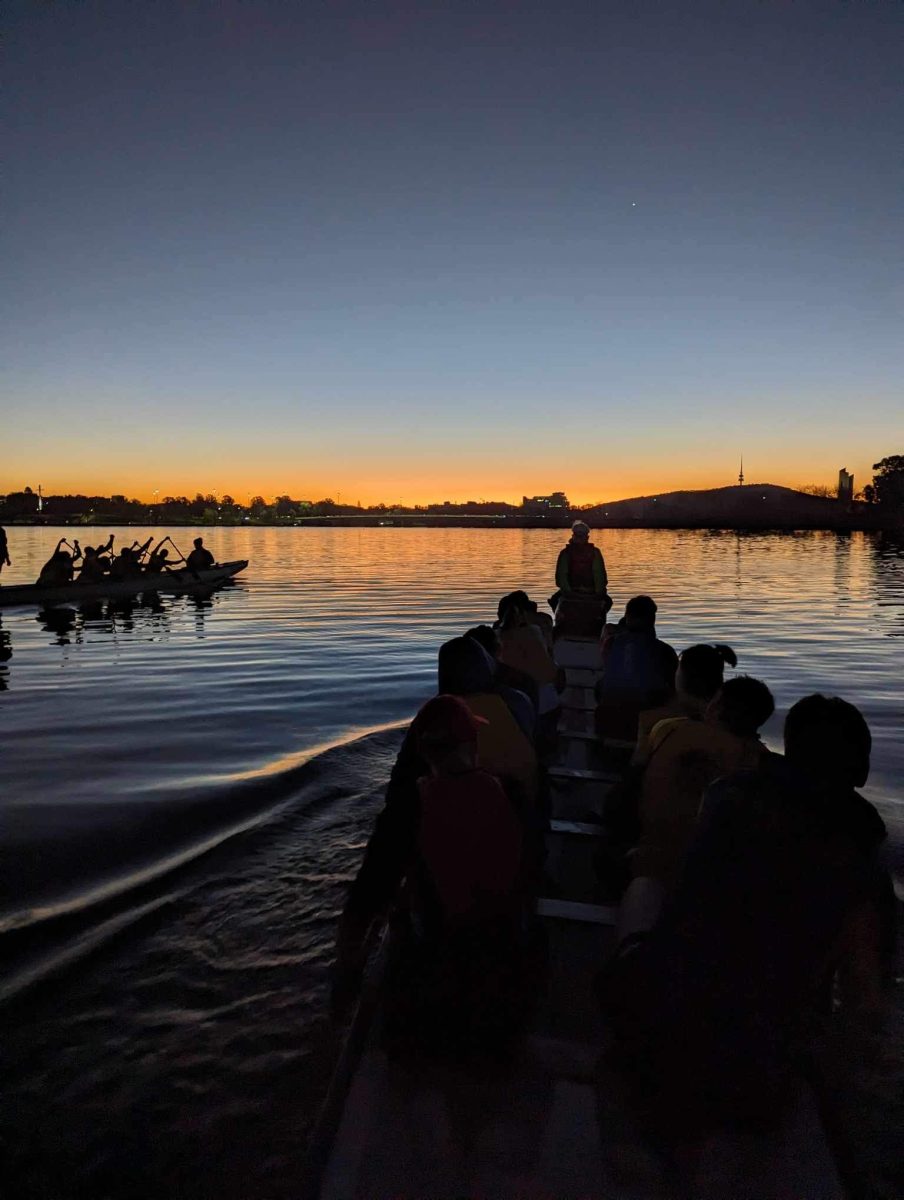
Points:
(741, 473)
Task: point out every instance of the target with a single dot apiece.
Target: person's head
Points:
(742, 705)
(485, 636)
(580, 531)
(464, 667)
(640, 615)
(829, 740)
(89, 552)
(701, 670)
(161, 554)
(446, 732)
(199, 543)
(520, 601)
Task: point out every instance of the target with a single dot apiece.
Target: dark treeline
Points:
(210, 509)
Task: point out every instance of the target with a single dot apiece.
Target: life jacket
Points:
(686, 756)
(470, 844)
(502, 747)
(523, 648)
(580, 566)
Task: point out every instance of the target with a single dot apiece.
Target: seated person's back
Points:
(200, 558)
(685, 757)
(783, 865)
(455, 984)
(504, 750)
(698, 677)
(469, 839)
(522, 648)
(93, 569)
(638, 671)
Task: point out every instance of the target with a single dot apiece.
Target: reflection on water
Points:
(330, 629)
(6, 653)
(888, 552)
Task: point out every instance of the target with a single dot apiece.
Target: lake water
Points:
(187, 790)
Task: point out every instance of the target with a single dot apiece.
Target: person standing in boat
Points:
(200, 559)
(4, 550)
(580, 567)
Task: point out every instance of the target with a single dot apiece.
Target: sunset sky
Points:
(400, 251)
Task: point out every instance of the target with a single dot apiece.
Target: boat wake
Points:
(80, 875)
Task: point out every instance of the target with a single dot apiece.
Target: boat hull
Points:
(166, 583)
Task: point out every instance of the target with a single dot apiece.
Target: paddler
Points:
(125, 565)
(58, 569)
(200, 559)
(93, 568)
(158, 562)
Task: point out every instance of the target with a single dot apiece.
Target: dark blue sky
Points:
(415, 250)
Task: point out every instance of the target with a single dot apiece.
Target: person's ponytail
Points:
(726, 654)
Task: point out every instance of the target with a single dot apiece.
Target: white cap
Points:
(581, 528)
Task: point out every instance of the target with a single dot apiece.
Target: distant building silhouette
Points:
(537, 506)
(845, 487)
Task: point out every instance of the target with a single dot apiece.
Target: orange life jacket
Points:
(470, 844)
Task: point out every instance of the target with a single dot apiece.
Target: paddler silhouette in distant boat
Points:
(582, 599)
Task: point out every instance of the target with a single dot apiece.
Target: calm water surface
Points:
(186, 791)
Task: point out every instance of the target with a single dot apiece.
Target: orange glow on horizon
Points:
(422, 488)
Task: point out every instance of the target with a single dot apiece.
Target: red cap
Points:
(447, 718)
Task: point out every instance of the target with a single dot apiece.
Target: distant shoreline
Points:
(751, 507)
(843, 523)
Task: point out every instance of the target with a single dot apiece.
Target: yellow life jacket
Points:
(503, 749)
(522, 647)
(685, 756)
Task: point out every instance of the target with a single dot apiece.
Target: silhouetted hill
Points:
(755, 505)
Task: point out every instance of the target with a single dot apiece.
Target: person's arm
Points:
(386, 859)
(562, 572)
(76, 552)
(600, 578)
(859, 964)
